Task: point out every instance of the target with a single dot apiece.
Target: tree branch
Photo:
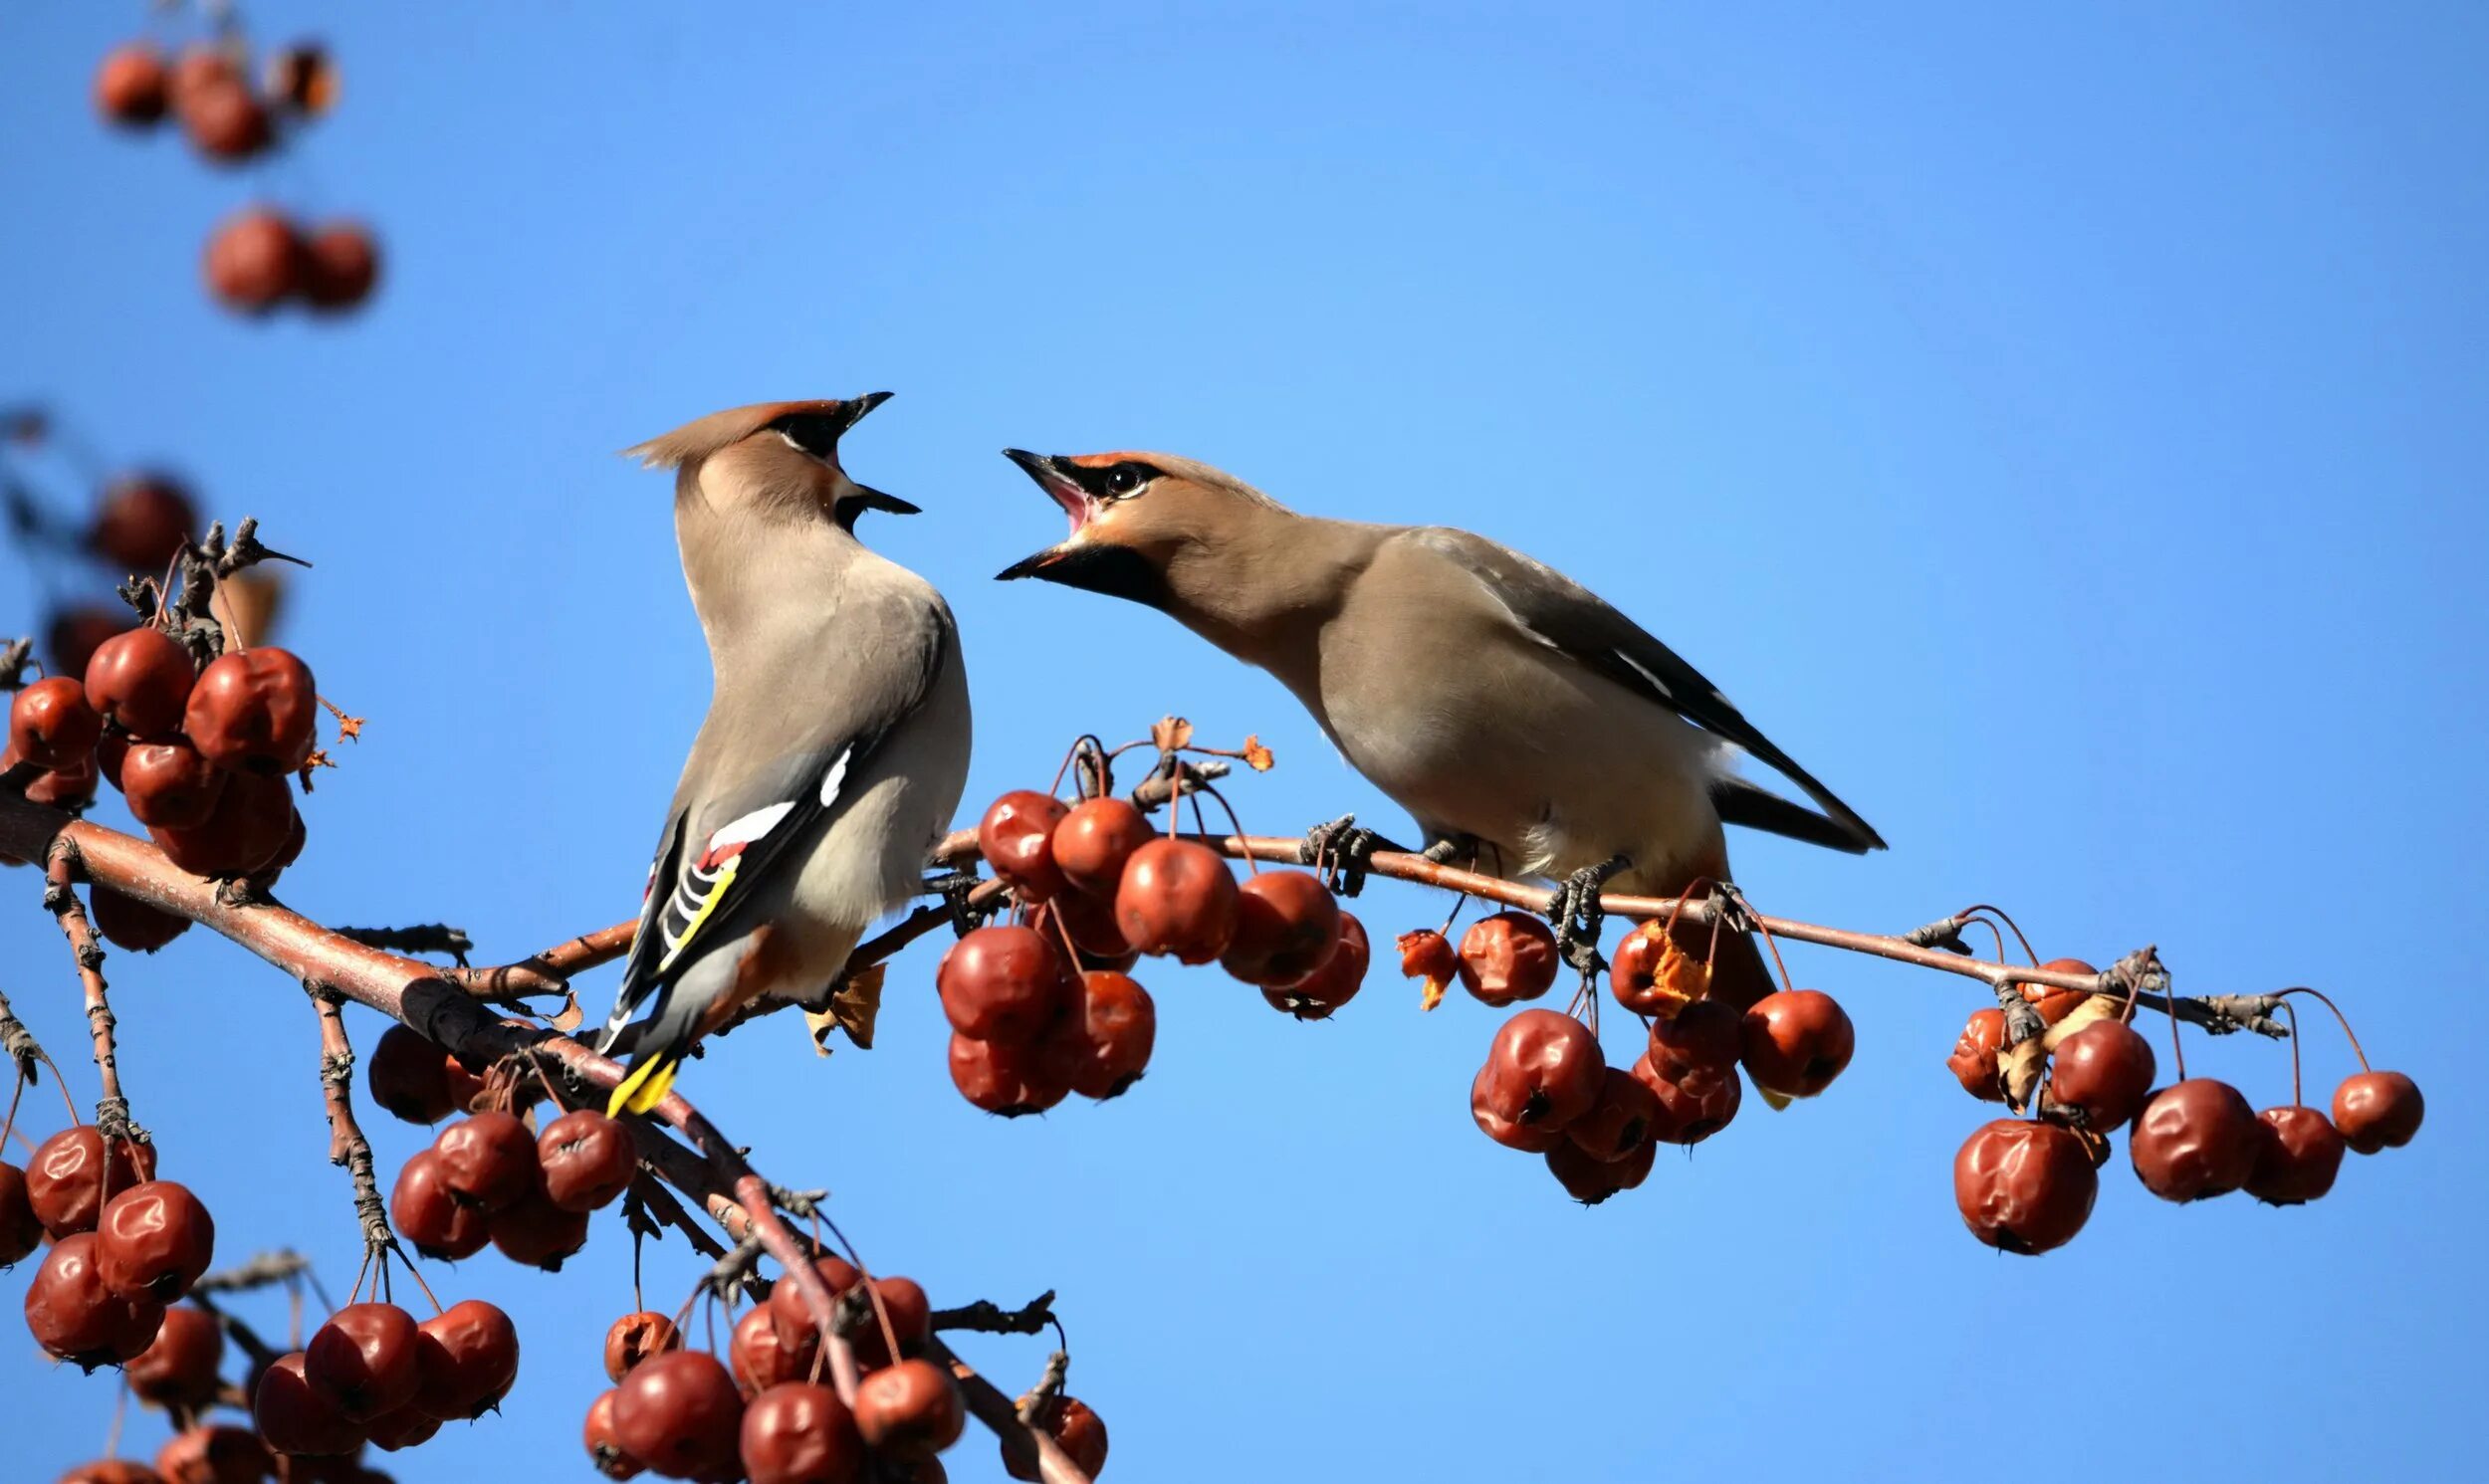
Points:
(60, 897)
(347, 1144)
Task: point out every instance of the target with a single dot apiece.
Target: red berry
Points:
(362, 1361)
(142, 520)
(469, 1355)
(153, 1241)
(758, 1361)
(1076, 1428)
(680, 1414)
(1177, 898)
(1973, 1061)
(2100, 1076)
(634, 1337)
(1090, 923)
(254, 262)
(2194, 1140)
(295, 1418)
(1485, 1103)
(130, 86)
(1095, 840)
(1286, 924)
(1017, 838)
(800, 1433)
(912, 1409)
(140, 682)
(1796, 1042)
(247, 831)
(170, 785)
(1005, 1077)
(1543, 1070)
(488, 1160)
(1695, 1104)
(910, 1314)
(67, 1180)
(605, 1447)
(588, 1160)
(21, 1231)
(1427, 955)
(254, 711)
(302, 79)
(1002, 984)
(1705, 1036)
(2056, 1004)
(2024, 1186)
(409, 1076)
(407, 1427)
(179, 1368)
(1335, 984)
(1103, 1046)
(215, 1455)
(788, 1314)
(75, 1316)
(1507, 957)
(2378, 1110)
(1619, 1122)
(1659, 970)
(1589, 1179)
(534, 1232)
(128, 923)
(340, 264)
(426, 1213)
(52, 726)
(2297, 1159)
(111, 1471)
(224, 121)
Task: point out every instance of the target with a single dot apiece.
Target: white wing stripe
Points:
(836, 776)
(750, 827)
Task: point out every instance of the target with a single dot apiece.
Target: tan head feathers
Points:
(701, 437)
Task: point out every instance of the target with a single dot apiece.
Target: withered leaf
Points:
(1257, 757)
(1172, 734)
(853, 1010)
(571, 1016)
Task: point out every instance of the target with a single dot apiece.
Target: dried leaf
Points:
(1257, 757)
(1172, 734)
(1775, 1101)
(2093, 1008)
(2018, 1067)
(571, 1016)
(853, 1010)
(1433, 994)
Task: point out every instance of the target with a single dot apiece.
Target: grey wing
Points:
(722, 847)
(1568, 617)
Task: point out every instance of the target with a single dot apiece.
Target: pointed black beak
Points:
(852, 411)
(875, 499)
(1037, 466)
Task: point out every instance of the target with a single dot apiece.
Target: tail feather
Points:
(665, 1038)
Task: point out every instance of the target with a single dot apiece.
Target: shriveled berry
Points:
(469, 1355)
(534, 1232)
(52, 726)
(1974, 1060)
(21, 1231)
(426, 1213)
(758, 1361)
(169, 785)
(2298, 1156)
(2100, 1076)
(1094, 841)
(1102, 1045)
(254, 711)
(680, 1414)
(409, 1076)
(1013, 1079)
(1694, 1104)
(1002, 984)
(72, 1174)
(788, 1314)
(1705, 1036)
(903, 1302)
(1089, 922)
(141, 681)
(487, 1159)
(153, 1241)
(912, 1409)
(128, 923)
(2024, 1186)
(2194, 1140)
(1796, 1042)
(800, 1433)
(247, 831)
(588, 1160)
(1017, 838)
(1507, 957)
(1177, 898)
(1076, 1427)
(74, 1314)
(179, 1368)
(407, 1427)
(1542, 1070)
(2056, 1004)
(605, 1453)
(634, 1337)
(1286, 924)
(1654, 972)
(295, 1418)
(215, 1455)
(1590, 1180)
(363, 1361)
(1619, 1122)
(1335, 984)
(2378, 1110)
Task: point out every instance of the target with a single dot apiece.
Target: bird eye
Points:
(1124, 479)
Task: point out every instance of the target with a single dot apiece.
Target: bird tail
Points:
(665, 1038)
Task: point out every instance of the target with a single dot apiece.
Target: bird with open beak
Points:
(1524, 721)
(836, 743)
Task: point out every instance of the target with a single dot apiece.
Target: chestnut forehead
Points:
(1106, 461)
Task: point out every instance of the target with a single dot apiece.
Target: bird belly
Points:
(1554, 767)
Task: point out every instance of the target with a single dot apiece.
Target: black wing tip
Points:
(1753, 806)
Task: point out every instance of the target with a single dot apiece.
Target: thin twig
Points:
(60, 897)
(347, 1144)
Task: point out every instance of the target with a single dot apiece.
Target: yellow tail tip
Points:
(645, 1089)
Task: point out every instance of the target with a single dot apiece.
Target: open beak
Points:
(875, 499)
(1060, 486)
(852, 411)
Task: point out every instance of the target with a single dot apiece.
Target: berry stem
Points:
(2328, 1001)
(2177, 1052)
(1252, 867)
(2010, 921)
(2289, 1012)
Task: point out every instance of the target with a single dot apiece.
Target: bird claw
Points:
(1574, 912)
(1340, 853)
(954, 888)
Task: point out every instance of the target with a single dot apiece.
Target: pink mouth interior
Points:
(1074, 500)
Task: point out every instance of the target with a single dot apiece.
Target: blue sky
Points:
(2051, 428)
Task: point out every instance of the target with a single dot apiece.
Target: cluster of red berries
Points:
(123, 1245)
(373, 1375)
(201, 754)
(256, 259)
(763, 1414)
(487, 1177)
(1042, 1008)
(2028, 1185)
(1547, 1087)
